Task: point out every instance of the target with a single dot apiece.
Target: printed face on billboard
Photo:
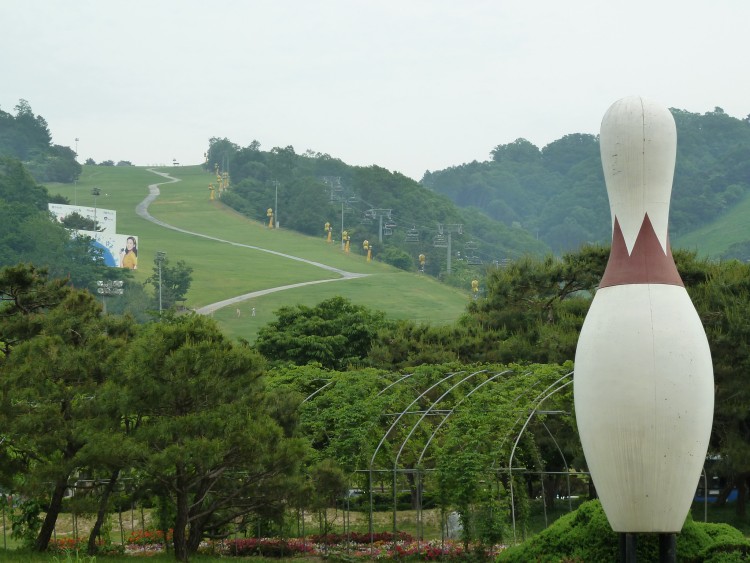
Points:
(119, 251)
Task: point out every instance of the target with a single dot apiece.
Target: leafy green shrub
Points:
(585, 535)
(397, 257)
(728, 545)
(26, 522)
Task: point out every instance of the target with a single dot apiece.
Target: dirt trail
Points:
(142, 211)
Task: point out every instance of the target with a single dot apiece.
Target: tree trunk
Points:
(53, 510)
(742, 481)
(181, 522)
(196, 535)
(96, 530)
(721, 499)
(414, 493)
(193, 541)
(592, 490)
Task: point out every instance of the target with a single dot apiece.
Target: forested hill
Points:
(557, 193)
(398, 216)
(26, 137)
(524, 200)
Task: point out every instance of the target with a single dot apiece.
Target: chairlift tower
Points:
(380, 214)
(448, 230)
(334, 184)
(338, 194)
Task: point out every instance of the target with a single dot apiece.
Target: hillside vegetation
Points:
(524, 200)
(223, 268)
(558, 193)
(460, 221)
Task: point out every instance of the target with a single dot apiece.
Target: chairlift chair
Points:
(412, 235)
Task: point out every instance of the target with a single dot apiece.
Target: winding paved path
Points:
(142, 211)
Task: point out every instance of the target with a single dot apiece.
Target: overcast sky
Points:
(409, 85)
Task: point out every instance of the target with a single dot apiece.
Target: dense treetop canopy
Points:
(26, 136)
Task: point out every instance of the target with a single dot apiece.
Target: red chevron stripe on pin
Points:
(648, 263)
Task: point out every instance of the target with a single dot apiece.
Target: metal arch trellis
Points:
(565, 463)
(440, 424)
(538, 400)
(387, 432)
(411, 432)
(318, 390)
(424, 414)
(536, 403)
(384, 389)
(434, 433)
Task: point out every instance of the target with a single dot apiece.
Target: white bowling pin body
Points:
(643, 374)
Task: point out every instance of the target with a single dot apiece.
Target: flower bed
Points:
(146, 542)
(75, 545)
(361, 537)
(148, 537)
(268, 547)
(354, 545)
(65, 545)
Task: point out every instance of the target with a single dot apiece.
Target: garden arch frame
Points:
(534, 408)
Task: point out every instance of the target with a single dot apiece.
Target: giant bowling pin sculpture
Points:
(643, 375)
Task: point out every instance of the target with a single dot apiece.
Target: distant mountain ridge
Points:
(558, 192)
(523, 200)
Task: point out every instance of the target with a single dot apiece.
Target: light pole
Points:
(160, 257)
(106, 288)
(75, 182)
(95, 192)
(276, 204)
(342, 223)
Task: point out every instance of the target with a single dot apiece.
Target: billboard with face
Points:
(120, 251)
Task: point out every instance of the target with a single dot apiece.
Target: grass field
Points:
(714, 239)
(226, 266)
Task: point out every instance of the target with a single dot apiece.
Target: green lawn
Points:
(714, 239)
(224, 268)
